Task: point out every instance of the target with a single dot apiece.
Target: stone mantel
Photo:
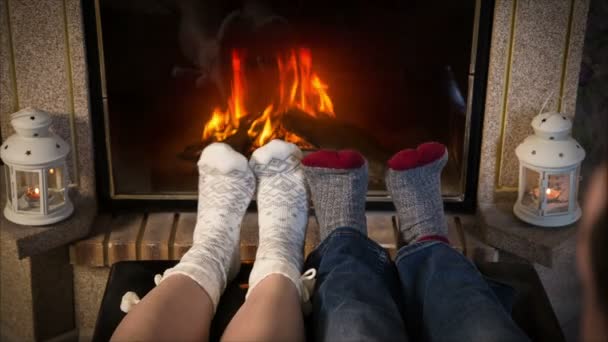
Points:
(497, 226)
(32, 240)
(35, 240)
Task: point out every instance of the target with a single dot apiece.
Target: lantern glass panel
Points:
(8, 185)
(575, 184)
(56, 187)
(557, 193)
(530, 197)
(28, 191)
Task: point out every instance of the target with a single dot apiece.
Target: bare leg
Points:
(182, 306)
(178, 309)
(272, 312)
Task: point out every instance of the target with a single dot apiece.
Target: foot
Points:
(226, 186)
(338, 184)
(414, 182)
(282, 212)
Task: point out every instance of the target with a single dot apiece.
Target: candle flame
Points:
(548, 191)
(37, 191)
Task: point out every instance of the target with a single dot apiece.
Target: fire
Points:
(299, 88)
(262, 128)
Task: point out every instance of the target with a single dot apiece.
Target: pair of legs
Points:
(182, 306)
(430, 293)
(180, 310)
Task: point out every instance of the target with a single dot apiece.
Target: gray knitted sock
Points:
(282, 213)
(416, 193)
(338, 185)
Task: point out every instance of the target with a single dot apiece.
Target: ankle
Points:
(264, 268)
(433, 237)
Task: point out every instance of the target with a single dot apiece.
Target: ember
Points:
(299, 88)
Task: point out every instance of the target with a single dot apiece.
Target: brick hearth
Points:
(167, 236)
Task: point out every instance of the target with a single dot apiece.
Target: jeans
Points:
(430, 293)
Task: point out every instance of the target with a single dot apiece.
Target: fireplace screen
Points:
(376, 76)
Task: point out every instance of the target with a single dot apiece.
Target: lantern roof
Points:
(551, 146)
(33, 144)
(552, 125)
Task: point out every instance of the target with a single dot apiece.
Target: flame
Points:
(262, 128)
(325, 104)
(226, 123)
(299, 88)
(238, 87)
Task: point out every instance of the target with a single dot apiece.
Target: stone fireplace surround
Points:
(535, 51)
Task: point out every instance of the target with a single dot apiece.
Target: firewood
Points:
(329, 132)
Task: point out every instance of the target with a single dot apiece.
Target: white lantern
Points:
(36, 171)
(549, 166)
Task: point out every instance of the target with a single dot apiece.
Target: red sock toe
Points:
(404, 160)
(345, 159)
(409, 158)
(430, 151)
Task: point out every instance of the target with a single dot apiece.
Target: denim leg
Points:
(447, 299)
(356, 292)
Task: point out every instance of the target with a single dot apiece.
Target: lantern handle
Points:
(546, 102)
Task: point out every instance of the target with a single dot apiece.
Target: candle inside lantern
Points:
(552, 194)
(33, 193)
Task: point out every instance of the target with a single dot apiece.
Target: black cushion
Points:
(531, 308)
(138, 276)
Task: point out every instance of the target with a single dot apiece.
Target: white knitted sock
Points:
(282, 213)
(226, 185)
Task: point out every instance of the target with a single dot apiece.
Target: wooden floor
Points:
(168, 235)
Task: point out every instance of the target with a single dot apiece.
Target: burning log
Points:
(331, 133)
(298, 88)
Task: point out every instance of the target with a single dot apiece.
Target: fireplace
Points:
(167, 78)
